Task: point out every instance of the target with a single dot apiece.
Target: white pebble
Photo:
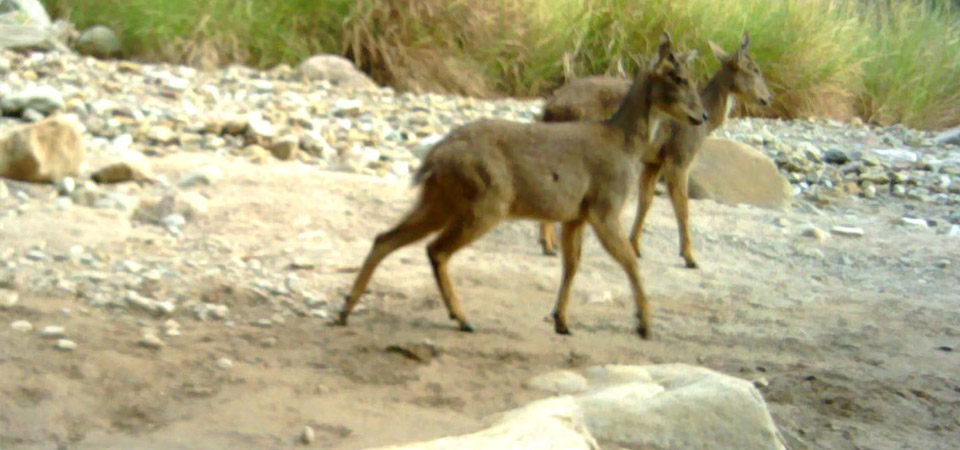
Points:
(151, 340)
(847, 231)
(224, 363)
(21, 326)
(65, 344)
(53, 331)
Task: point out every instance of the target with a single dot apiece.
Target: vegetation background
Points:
(886, 61)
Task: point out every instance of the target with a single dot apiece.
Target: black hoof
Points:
(692, 265)
(549, 252)
(341, 319)
(643, 332)
(467, 328)
(453, 317)
(560, 327)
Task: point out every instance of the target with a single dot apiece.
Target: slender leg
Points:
(615, 242)
(677, 178)
(572, 241)
(461, 232)
(548, 239)
(648, 186)
(418, 224)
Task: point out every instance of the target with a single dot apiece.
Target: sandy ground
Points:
(851, 334)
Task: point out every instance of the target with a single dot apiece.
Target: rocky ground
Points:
(189, 309)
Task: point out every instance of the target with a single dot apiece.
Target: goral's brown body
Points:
(572, 172)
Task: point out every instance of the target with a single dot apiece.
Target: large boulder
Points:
(337, 70)
(732, 172)
(99, 42)
(662, 407)
(676, 406)
(551, 424)
(48, 150)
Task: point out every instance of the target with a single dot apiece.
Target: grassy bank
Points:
(896, 63)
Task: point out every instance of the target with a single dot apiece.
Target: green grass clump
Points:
(898, 62)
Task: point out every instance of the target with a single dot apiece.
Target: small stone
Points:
(263, 323)
(134, 299)
(847, 231)
(285, 149)
(173, 221)
(131, 266)
(347, 108)
(307, 435)
(869, 190)
(603, 297)
(224, 363)
(259, 131)
(292, 283)
(8, 298)
(204, 176)
(836, 156)
(66, 345)
(898, 190)
(268, 341)
(53, 331)
(761, 382)
(162, 135)
(21, 326)
(319, 313)
(913, 221)
(37, 255)
(150, 340)
(815, 232)
(781, 222)
(943, 263)
(301, 263)
(121, 172)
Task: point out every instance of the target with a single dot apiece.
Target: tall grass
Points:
(899, 62)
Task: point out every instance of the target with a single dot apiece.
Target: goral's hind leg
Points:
(459, 233)
(420, 222)
(572, 243)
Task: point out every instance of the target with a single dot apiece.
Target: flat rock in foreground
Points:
(732, 172)
(666, 407)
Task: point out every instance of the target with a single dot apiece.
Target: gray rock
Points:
(336, 70)
(99, 41)
(951, 136)
(836, 156)
(44, 99)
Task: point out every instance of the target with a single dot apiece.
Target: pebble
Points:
(21, 326)
(913, 221)
(307, 436)
(224, 363)
(66, 345)
(53, 331)
(8, 298)
(207, 176)
(815, 232)
(954, 231)
(847, 231)
(150, 340)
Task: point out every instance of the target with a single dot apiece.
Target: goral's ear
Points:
(745, 42)
(718, 52)
(666, 43)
